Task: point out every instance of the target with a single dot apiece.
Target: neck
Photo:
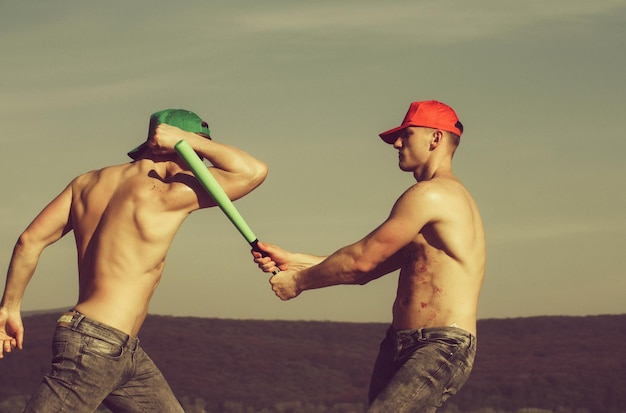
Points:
(432, 169)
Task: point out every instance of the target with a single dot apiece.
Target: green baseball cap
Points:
(181, 118)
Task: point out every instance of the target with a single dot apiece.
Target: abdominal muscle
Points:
(434, 299)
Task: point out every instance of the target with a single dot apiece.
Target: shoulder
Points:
(431, 198)
(434, 190)
(438, 188)
(125, 180)
(82, 181)
(418, 202)
(96, 174)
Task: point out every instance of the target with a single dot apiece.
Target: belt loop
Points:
(70, 319)
(76, 320)
(132, 343)
(421, 334)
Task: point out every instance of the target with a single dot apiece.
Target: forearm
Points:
(299, 261)
(227, 158)
(48, 227)
(349, 265)
(339, 268)
(21, 269)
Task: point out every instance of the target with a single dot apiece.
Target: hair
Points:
(455, 140)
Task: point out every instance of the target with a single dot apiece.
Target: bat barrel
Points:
(214, 189)
(211, 185)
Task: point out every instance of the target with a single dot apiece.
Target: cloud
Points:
(72, 96)
(431, 22)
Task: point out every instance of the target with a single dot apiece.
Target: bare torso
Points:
(124, 221)
(444, 266)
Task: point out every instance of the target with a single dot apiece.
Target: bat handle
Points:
(255, 246)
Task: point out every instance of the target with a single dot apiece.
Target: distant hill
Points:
(551, 364)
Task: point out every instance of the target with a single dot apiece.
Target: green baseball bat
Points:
(214, 189)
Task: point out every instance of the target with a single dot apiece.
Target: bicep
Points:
(237, 185)
(411, 212)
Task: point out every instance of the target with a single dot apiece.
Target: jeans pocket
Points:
(102, 348)
(65, 356)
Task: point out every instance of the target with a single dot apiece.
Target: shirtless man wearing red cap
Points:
(434, 235)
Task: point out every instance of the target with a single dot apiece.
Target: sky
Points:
(306, 86)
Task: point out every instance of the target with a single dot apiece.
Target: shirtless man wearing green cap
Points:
(434, 236)
(124, 219)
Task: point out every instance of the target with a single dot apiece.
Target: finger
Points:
(265, 247)
(269, 267)
(279, 293)
(6, 346)
(274, 284)
(19, 341)
(266, 264)
(261, 260)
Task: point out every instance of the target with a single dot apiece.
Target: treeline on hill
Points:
(541, 364)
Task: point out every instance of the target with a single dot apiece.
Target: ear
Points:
(436, 139)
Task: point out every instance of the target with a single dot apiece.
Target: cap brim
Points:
(391, 135)
(134, 153)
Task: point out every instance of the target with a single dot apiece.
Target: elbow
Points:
(362, 270)
(248, 180)
(26, 243)
(258, 174)
(24, 240)
(262, 171)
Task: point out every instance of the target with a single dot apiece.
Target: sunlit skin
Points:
(433, 235)
(124, 219)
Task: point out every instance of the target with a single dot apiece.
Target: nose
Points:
(398, 142)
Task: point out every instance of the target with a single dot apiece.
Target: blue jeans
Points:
(93, 363)
(417, 370)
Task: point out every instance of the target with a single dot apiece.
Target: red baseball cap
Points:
(428, 114)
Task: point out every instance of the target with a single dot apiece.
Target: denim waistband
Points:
(78, 322)
(428, 333)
